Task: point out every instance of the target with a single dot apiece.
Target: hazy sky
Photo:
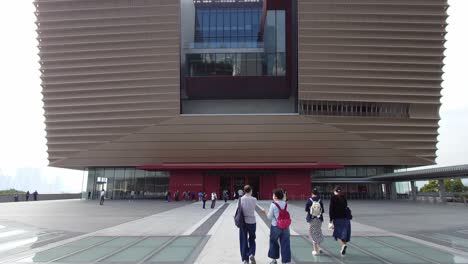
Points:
(22, 135)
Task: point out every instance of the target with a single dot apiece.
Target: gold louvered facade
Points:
(111, 85)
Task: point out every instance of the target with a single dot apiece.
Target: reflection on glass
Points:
(280, 31)
(227, 24)
(236, 64)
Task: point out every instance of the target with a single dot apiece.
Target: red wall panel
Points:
(186, 181)
(267, 185)
(211, 184)
(295, 182)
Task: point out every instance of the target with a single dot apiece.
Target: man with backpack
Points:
(247, 230)
(279, 230)
(314, 208)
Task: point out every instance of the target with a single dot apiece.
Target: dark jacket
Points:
(309, 217)
(338, 204)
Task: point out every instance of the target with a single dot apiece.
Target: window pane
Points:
(351, 172)
(227, 26)
(251, 64)
(120, 186)
(140, 183)
(330, 173)
(130, 180)
(340, 173)
(280, 31)
(270, 32)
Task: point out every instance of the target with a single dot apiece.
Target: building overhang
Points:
(425, 174)
(238, 166)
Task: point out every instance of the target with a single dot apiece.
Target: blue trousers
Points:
(247, 240)
(280, 237)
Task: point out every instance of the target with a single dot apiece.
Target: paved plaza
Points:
(77, 231)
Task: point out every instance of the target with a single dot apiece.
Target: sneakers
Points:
(273, 261)
(314, 253)
(343, 249)
(252, 259)
(245, 262)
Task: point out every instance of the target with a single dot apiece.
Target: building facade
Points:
(208, 95)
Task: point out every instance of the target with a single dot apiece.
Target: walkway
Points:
(185, 233)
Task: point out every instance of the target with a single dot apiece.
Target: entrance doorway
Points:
(232, 181)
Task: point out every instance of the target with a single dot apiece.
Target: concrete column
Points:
(442, 190)
(413, 191)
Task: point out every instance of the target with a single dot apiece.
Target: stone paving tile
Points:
(117, 245)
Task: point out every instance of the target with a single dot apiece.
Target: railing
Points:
(225, 45)
(358, 196)
(41, 197)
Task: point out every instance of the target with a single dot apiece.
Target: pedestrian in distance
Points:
(89, 195)
(240, 193)
(35, 194)
(103, 195)
(176, 196)
(27, 195)
(214, 197)
(314, 208)
(225, 196)
(132, 195)
(200, 196)
(340, 219)
(168, 196)
(204, 198)
(279, 230)
(247, 231)
(16, 197)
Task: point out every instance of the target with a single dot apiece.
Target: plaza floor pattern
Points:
(204, 235)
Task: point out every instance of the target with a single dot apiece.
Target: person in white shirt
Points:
(214, 197)
(103, 194)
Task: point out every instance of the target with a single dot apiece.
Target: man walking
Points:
(27, 196)
(35, 193)
(247, 232)
(103, 194)
(214, 197)
(204, 197)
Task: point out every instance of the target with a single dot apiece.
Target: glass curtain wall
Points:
(227, 27)
(120, 182)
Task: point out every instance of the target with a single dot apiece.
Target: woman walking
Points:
(340, 217)
(279, 230)
(314, 208)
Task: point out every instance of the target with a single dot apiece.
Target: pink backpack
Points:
(284, 219)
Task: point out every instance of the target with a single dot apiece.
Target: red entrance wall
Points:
(295, 181)
(185, 181)
(192, 180)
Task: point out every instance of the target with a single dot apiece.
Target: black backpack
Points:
(239, 219)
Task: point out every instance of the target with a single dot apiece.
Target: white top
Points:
(103, 193)
(213, 196)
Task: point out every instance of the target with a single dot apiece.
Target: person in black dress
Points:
(340, 219)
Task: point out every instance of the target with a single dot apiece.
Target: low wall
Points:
(40, 197)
